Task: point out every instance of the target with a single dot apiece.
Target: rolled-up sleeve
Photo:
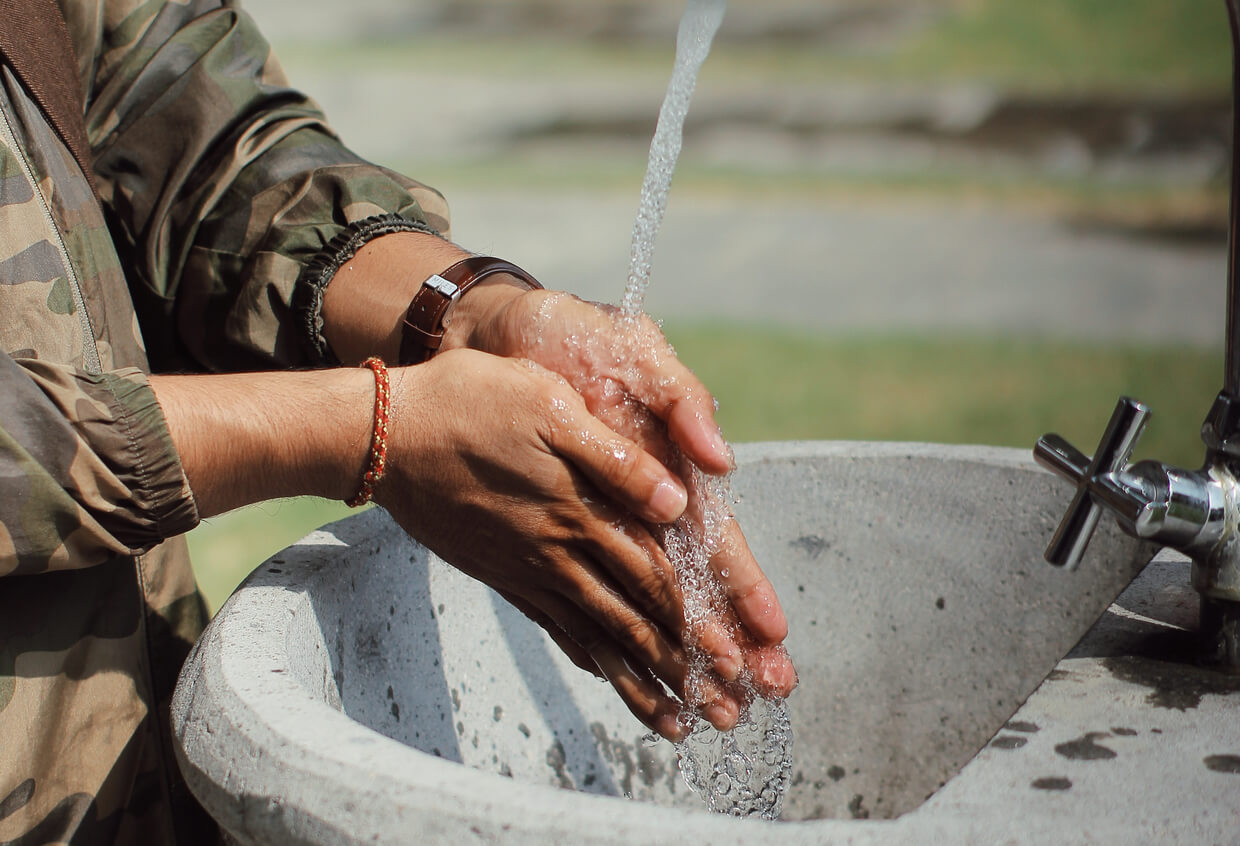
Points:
(223, 184)
(89, 470)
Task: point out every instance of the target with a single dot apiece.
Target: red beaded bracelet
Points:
(378, 443)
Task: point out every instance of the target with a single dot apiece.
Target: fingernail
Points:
(718, 716)
(669, 726)
(669, 501)
(721, 447)
(773, 675)
(728, 667)
(769, 676)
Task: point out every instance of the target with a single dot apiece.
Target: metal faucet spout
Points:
(1183, 509)
(1194, 511)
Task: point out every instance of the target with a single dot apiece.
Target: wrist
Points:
(249, 437)
(434, 307)
(478, 308)
(364, 305)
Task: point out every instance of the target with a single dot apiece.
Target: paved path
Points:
(927, 266)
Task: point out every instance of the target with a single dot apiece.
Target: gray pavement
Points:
(865, 265)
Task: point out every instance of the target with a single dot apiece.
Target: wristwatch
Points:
(430, 311)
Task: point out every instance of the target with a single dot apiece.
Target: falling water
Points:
(697, 29)
(745, 771)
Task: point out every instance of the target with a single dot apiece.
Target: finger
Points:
(636, 562)
(580, 657)
(600, 622)
(691, 425)
(617, 466)
(641, 692)
(649, 702)
(587, 647)
(772, 671)
(676, 396)
(747, 587)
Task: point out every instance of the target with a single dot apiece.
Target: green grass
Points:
(1116, 45)
(1051, 45)
(776, 385)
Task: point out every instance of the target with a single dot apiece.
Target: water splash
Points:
(745, 771)
(697, 29)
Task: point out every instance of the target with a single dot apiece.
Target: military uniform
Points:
(223, 201)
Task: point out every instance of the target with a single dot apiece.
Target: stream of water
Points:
(745, 771)
(697, 29)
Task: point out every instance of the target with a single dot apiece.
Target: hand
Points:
(631, 379)
(620, 374)
(497, 465)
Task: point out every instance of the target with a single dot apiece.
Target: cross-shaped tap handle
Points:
(1059, 456)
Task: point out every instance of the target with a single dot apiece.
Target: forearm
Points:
(250, 437)
(365, 303)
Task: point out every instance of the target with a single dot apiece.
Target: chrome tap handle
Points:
(1059, 456)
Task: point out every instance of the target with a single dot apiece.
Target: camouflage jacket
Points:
(222, 195)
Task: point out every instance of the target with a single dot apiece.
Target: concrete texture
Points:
(357, 690)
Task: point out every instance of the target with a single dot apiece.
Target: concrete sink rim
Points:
(437, 798)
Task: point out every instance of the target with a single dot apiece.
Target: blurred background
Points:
(963, 221)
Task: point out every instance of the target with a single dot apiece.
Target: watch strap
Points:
(424, 323)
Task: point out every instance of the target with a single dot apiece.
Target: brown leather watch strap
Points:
(425, 319)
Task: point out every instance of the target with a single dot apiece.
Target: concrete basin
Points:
(356, 689)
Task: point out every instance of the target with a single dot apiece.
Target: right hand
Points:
(497, 466)
(632, 380)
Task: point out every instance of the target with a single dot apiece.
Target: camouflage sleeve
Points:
(222, 183)
(88, 465)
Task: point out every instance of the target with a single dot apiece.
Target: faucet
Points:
(1194, 511)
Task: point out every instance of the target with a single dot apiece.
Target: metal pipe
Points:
(1231, 376)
